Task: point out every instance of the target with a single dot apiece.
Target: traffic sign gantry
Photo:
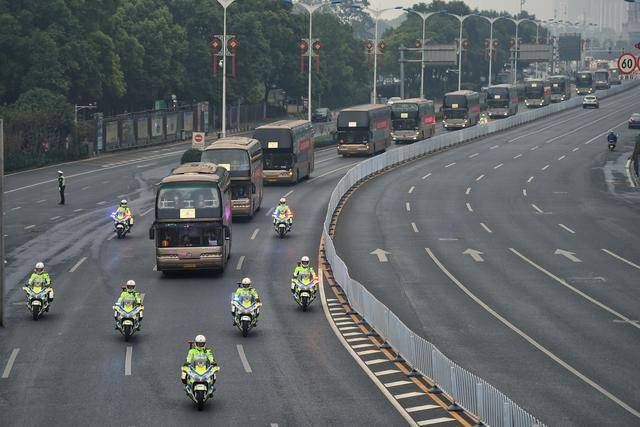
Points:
(627, 63)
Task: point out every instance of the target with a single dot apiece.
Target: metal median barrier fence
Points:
(471, 392)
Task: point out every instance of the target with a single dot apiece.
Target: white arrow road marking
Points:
(127, 361)
(475, 254)
(381, 254)
(78, 264)
(427, 176)
(243, 358)
(569, 255)
(567, 228)
(487, 229)
(621, 259)
(574, 289)
(10, 362)
(530, 340)
(537, 208)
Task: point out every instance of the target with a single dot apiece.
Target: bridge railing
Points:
(471, 392)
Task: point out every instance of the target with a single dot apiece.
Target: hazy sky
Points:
(541, 8)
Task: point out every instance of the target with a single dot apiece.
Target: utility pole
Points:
(401, 49)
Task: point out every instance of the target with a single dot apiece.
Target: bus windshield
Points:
(498, 97)
(202, 198)
(558, 87)
(277, 160)
(353, 119)
(455, 114)
(534, 89)
(232, 159)
(275, 139)
(602, 75)
(455, 101)
(584, 79)
(189, 234)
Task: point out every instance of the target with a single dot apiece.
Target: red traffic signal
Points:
(382, 45)
(369, 45)
(316, 46)
(302, 46)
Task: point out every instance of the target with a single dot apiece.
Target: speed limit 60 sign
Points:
(627, 63)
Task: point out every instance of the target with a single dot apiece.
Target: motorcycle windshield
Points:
(128, 303)
(200, 363)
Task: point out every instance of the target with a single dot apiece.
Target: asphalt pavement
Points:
(517, 256)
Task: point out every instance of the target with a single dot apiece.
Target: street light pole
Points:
(224, 4)
(424, 17)
(461, 19)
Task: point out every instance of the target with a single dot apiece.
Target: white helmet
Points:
(304, 261)
(246, 282)
(283, 201)
(39, 266)
(60, 172)
(131, 284)
(201, 340)
(123, 202)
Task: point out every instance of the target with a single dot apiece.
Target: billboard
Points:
(569, 47)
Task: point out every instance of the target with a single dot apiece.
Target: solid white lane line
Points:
(422, 408)
(10, 362)
(545, 167)
(468, 191)
(574, 289)
(411, 189)
(529, 339)
(288, 194)
(29, 227)
(408, 206)
(473, 155)
(537, 208)
(127, 360)
(240, 261)
(16, 208)
(524, 192)
(530, 178)
(498, 166)
(255, 233)
(621, 259)
(41, 201)
(53, 218)
(494, 147)
(469, 207)
(426, 176)
(435, 421)
(487, 229)
(517, 156)
(397, 383)
(112, 236)
(576, 149)
(78, 264)
(561, 157)
(567, 228)
(480, 177)
(535, 148)
(386, 372)
(450, 164)
(147, 211)
(415, 227)
(243, 358)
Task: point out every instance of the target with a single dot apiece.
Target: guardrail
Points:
(471, 392)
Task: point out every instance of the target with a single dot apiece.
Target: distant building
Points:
(632, 26)
(607, 14)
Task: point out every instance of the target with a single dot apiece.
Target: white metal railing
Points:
(474, 394)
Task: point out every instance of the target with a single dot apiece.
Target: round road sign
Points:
(198, 138)
(627, 63)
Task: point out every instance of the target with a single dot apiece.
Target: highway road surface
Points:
(518, 257)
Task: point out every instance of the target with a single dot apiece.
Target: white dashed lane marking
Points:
(469, 207)
(408, 206)
(29, 227)
(468, 191)
(255, 233)
(10, 362)
(415, 227)
(561, 157)
(537, 208)
(473, 155)
(567, 228)
(427, 176)
(530, 179)
(240, 261)
(411, 189)
(480, 177)
(77, 264)
(127, 361)
(450, 164)
(498, 166)
(545, 167)
(487, 229)
(518, 156)
(494, 147)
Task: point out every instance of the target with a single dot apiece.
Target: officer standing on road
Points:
(61, 187)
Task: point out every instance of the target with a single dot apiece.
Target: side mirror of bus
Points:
(253, 188)
(152, 233)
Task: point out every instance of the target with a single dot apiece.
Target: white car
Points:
(590, 101)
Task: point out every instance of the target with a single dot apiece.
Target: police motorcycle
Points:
(37, 298)
(246, 310)
(305, 287)
(120, 223)
(281, 223)
(199, 378)
(128, 315)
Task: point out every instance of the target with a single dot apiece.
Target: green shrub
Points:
(191, 155)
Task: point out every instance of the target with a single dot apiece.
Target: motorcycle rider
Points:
(612, 137)
(129, 290)
(39, 275)
(283, 208)
(197, 347)
(124, 208)
(304, 266)
(244, 288)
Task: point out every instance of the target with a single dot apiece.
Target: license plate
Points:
(304, 294)
(127, 322)
(248, 318)
(200, 387)
(36, 303)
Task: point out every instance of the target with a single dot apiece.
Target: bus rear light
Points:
(341, 141)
